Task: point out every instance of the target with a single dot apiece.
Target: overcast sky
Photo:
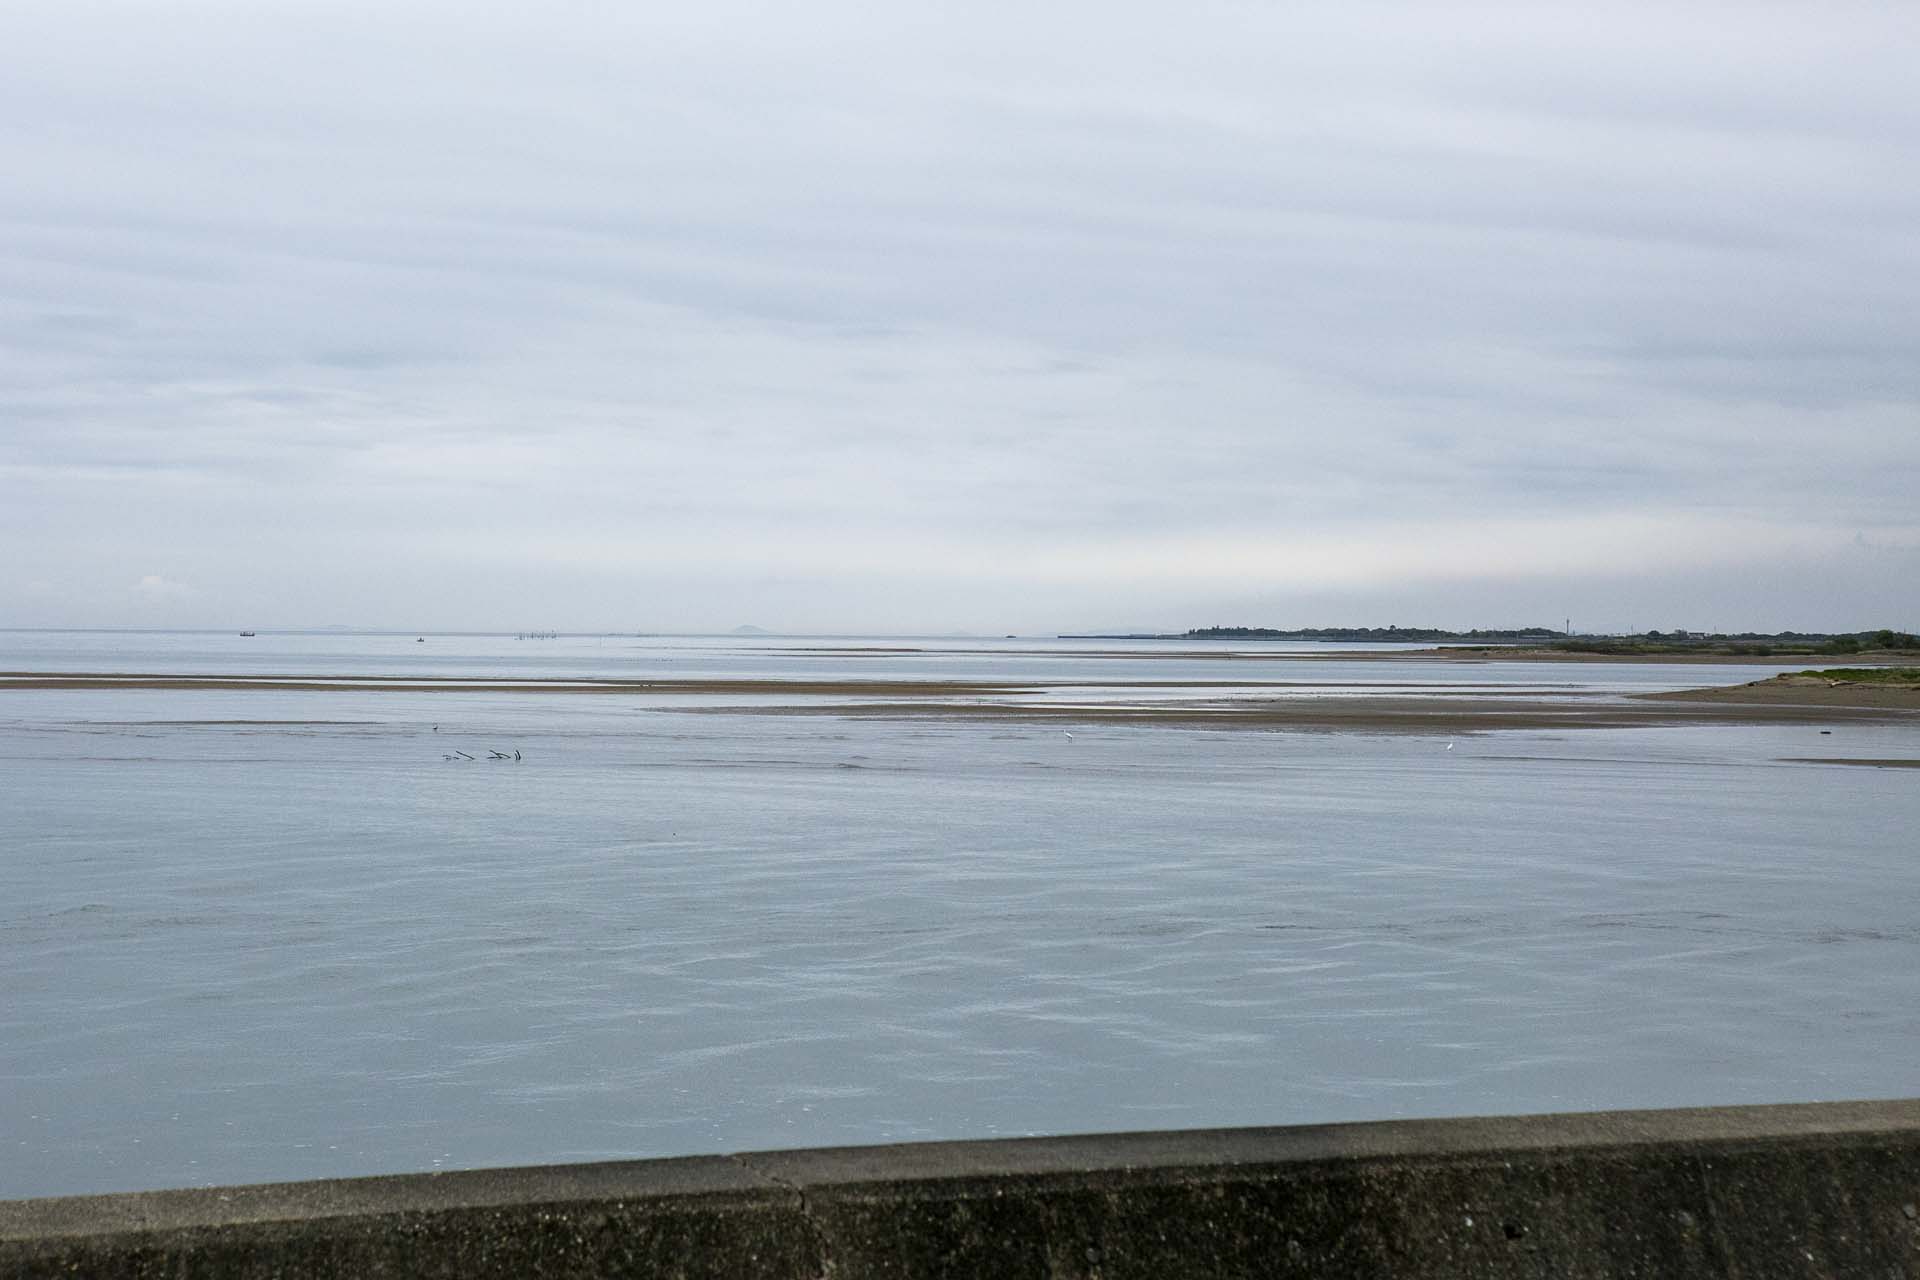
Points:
(981, 316)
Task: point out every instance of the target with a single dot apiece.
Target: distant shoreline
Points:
(1505, 653)
(1868, 658)
(1545, 644)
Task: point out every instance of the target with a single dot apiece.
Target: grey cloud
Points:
(942, 276)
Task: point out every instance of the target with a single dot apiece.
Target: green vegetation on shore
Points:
(1780, 644)
(1868, 675)
(1749, 643)
(1379, 635)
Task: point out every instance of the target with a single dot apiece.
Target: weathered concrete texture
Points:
(706, 1216)
(1827, 1190)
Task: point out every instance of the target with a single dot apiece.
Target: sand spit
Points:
(1870, 658)
(457, 684)
(744, 687)
(1802, 691)
(1358, 707)
(1870, 764)
(1455, 654)
(1436, 715)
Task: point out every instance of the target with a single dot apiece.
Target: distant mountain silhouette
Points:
(751, 630)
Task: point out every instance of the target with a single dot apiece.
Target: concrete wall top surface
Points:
(1823, 1189)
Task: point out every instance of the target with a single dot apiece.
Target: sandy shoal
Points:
(412, 684)
(1786, 700)
(1438, 715)
(1894, 763)
(1801, 691)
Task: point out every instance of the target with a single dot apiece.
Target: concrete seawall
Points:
(1822, 1190)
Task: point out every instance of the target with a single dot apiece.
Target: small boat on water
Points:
(246, 633)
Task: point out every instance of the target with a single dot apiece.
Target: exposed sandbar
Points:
(1871, 764)
(1784, 700)
(454, 684)
(1802, 691)
(1497, 653)
(1454, 653)
(1431, 715)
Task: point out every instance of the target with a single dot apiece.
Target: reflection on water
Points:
(264, 935)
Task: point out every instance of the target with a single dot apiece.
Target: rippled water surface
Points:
(266, 934)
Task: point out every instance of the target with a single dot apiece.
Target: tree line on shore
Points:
(1757, 644)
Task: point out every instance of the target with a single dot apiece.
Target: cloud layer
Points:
(959, 316)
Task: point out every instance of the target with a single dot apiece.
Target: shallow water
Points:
(1094, 662)
(271, 934)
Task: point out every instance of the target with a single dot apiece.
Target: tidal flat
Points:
(288, 906)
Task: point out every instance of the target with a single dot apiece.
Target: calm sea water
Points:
(275, 934)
